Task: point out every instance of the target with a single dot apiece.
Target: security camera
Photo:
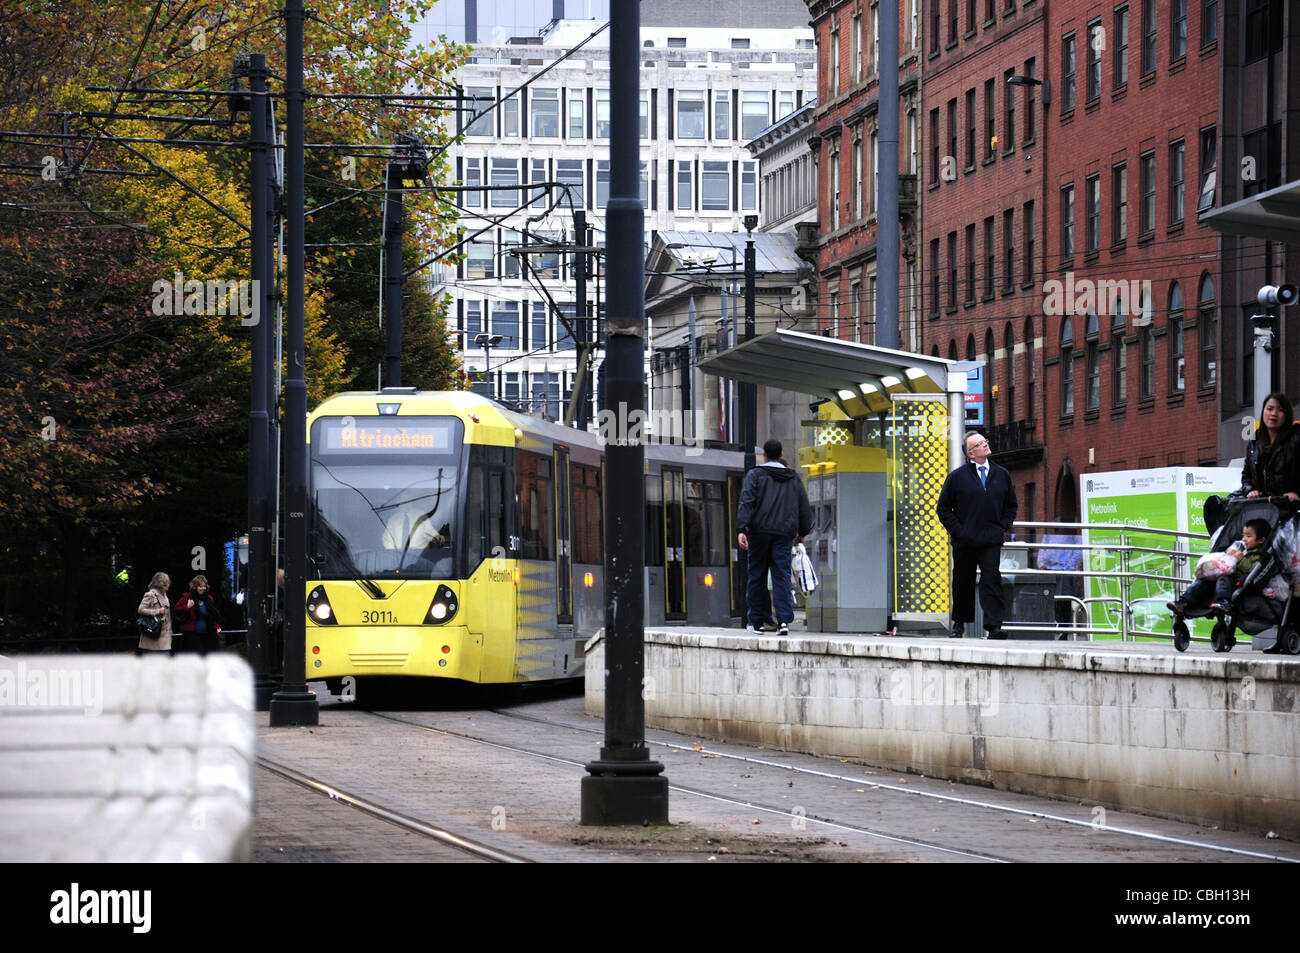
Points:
(1278, 294)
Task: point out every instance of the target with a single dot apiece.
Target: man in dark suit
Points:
(977, 506)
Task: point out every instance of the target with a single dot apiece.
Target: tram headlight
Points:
(319, 609)
(443, 607)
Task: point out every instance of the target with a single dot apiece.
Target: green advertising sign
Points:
(1155, 567)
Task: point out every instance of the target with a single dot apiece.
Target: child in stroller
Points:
(1256, 596)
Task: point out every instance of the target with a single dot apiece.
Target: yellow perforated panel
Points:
(834, 434)
(919, 454)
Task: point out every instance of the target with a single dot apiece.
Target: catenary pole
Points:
(293, 704)
(624, 786)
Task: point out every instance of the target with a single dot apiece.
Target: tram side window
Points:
(475, 518)
(654, 517)
(706, 524)
(496, 514)
(586, 515)
(536, 506)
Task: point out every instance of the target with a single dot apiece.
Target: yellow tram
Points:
(453, 538)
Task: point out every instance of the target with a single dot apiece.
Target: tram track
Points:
(404, 821)
(750, 805)
(914, 792)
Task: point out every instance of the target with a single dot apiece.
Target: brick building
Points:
(845, 146)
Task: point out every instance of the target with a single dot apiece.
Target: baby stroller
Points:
(1264, 600)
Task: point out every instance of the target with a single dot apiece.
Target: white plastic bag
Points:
(1214, 565)
(801, 567)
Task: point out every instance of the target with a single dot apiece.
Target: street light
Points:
(487, 342)
(1019, 80)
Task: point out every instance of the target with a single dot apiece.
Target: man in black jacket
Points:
(977, 506)
(774, 511)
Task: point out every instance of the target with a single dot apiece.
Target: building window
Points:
(1067, 73)
(1067, 222)
(1176, 342)
(480, 98)
(1207, 330)
(990, 385)
(690, 114)
(952, 21)
(858, 180)
(990, 112)
(505, 172)
(875, 171)
(685, 200)
(755, 113)
(509, 262)
(1177, 185)
(1096, 43)
(1010, 130)
(1147, 215)
(480, 257)
(952, 131)
(643, 183)
(505, 322)
(1209, 153)
(1009, 243)
(1067, 368)
(537, 337)
(1178, 43)
(970, 128)
(510, 117)
(1121, 48)
(577, 115)
(602, 183)
(990, 255)
(644, 106)
(602, 114)
(1093, 385)
(570, 172)
(715, 186)
(546, 113)
(1092, 211)
(721, 115)
(1148, 36)
(1146, 351)
(934, 276)
(855, 48)
(748, 186)
(1119, 352)
(1029, 241)
(1209, 22)
(1031, 370)
(473, 324)
(1031, 118)
(970, 264)
(1119, 203)
(934, 146)
(952, 271)
(1009, 339)
(473, 178)
(833, 67)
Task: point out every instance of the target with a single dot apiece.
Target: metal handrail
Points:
(1125, 572)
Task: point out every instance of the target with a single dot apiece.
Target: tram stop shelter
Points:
(874, 460)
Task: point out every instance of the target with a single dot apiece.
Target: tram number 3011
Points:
(378, 615)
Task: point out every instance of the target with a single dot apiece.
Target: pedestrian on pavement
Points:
(198, 617)
(774, 514)
(155, 605)
(977, 506)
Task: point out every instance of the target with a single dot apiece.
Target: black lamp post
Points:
(487, 342)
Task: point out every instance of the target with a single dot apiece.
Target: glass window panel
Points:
(755, 113)
(546, 113)
(715, 186)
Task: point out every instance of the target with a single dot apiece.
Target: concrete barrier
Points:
(1210, 738)
(114, 758)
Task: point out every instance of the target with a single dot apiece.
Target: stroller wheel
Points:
(1221, 638)
(1291, 641)
(1182, 638)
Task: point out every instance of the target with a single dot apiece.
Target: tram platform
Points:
(1136, 726)
(112, 758)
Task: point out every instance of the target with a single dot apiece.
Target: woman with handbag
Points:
(155, 618)
(198, 617)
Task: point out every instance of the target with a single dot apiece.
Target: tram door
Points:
(674, 546)
(735, 482)
(563, 540)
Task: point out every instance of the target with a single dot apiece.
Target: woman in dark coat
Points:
(197, 616)
(1273, 457)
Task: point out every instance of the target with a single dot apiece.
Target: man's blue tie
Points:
(984, 475)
